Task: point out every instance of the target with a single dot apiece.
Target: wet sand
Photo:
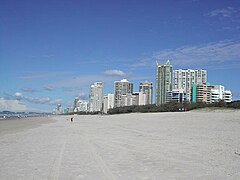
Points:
(183, 145)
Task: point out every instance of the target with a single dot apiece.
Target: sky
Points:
(52, 50)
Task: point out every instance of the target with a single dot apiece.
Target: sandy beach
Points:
(13, 125)
(184, 145)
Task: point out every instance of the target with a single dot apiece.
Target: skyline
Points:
(52, 51)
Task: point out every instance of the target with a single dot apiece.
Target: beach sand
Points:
(13, 125)
(182, 145)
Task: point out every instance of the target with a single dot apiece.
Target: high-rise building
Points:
(146, 93)
(163, 82)
(96, 97)
(105, 104)
(76, 104)
(80, 105)
(108, 102)
(184, 79)
(122, 87)
(58, 109)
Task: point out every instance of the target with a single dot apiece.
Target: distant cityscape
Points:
(181, 85)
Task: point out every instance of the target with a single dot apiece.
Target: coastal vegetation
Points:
(173, 107)
(169, 107)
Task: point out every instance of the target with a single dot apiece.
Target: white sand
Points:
(185, 145)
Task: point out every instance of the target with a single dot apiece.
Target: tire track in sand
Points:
(57, 164)
(101, 163)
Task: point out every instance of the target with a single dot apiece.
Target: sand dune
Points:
(184, 145)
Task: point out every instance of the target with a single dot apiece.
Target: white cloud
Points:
(35, 100)
(229, 17)
(211, 53)
(115, 72)
(12, 105)
(48, 88)
(222, 51)
(227, 12)
(18, 94)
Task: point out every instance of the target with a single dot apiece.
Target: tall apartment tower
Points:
(96, 97)
(108, 102)
(122, 87)
(146, 88)
(163, 82)
(184, 79)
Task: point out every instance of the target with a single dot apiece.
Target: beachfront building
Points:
(108, 102)
(227, 96)
(163, 82)
(219, 93)
(129, 99)
(203, 93)
(176, 95)
(121, 88)
(105, 104)
(143, 98)
(184, 79)
(82, 106)
(96, 97)
(145, 93)
(58, 109)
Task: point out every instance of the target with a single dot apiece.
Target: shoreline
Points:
(14, 125)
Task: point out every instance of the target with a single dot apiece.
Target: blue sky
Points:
(51, 51)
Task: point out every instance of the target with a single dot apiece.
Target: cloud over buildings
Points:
(114, 72)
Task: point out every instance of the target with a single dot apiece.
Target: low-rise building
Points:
(219, 93)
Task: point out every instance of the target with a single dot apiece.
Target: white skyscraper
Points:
(96, 97)
(145, 93)
(184, 79)
(122, 87)
(108, 102)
